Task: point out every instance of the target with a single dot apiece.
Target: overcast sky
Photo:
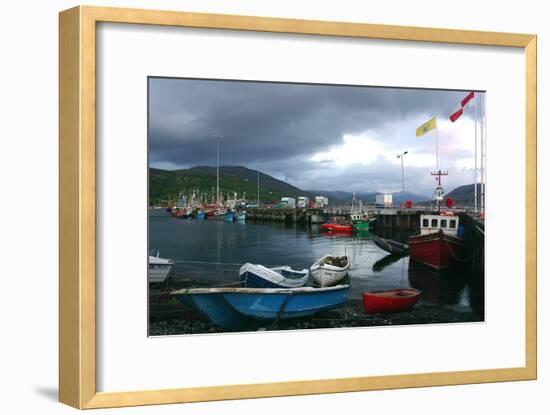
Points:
(319, 137)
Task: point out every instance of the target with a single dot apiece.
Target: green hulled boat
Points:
(360, 221)
(361, 225)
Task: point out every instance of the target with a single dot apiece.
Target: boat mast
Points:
(439, 193)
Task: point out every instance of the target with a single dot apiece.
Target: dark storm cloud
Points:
(274, 127)
(266, 121)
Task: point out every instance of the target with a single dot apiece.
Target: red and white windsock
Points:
(456, 115)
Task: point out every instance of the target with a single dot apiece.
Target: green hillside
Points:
(165, 185)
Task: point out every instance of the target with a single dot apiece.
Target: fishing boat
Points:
(179, 212)
(233, 308)
(215, 213)
(359, 219)
(391, 301)
(438, 245)
(240, 216)
(330, 270)
(391, 246)
(229, 216)
(337, 227)
(258, 276)
(159, 268)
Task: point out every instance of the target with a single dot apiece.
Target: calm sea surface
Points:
(212, 251)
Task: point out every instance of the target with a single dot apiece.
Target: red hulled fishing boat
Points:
(438, 244)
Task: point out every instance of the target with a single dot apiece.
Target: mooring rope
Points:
(182, 261)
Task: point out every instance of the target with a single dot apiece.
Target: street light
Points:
(400, 156)
(218, 137)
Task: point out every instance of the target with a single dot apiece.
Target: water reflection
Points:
(438, 287)
(384, 262)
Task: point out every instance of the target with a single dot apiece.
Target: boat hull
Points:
(288, 304)
(326, 275)
(362, 226)
(158, 269)
(157, 275)
(392, 301)
(390, 246)
(438, 250)
(215, 308)
(236, 308)
(336, 227)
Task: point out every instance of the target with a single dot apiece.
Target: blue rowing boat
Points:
(235, 308)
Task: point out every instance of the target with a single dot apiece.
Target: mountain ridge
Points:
(166, 185)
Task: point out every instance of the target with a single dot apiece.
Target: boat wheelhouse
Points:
(446, 223)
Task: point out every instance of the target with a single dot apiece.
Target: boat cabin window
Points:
(452, 224)
(443, 223)
(434, 223)
(425, 223)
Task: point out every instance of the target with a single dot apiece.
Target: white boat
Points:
(241, 215)
(258, 276)
(330, 270)
(159, 268)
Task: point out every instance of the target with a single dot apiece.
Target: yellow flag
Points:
(424, 128)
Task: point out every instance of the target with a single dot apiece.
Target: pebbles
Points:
(168, 317)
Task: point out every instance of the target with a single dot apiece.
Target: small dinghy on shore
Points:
(258, 276)
(390, 301)
(159, 268)
(391, 246)
(235, 308)
(330, 270)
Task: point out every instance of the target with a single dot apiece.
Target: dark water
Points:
(210, 252)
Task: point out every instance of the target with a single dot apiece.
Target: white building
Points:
(289, 201)
(303, 201)
(384, 199)
(321, 201)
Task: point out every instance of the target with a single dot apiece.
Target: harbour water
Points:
(210, 253)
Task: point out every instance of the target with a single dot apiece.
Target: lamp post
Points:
(400, 156)
(218, 137)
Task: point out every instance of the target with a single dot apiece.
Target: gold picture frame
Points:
(77, 215)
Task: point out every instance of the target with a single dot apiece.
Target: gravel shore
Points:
(169, 317)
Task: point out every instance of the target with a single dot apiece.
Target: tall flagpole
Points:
(483, 154)
(436, 146)
(475, 153)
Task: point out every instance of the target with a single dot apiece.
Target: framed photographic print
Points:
(320, 199)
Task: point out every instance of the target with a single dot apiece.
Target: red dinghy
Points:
(390, 301)
(337, 227)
